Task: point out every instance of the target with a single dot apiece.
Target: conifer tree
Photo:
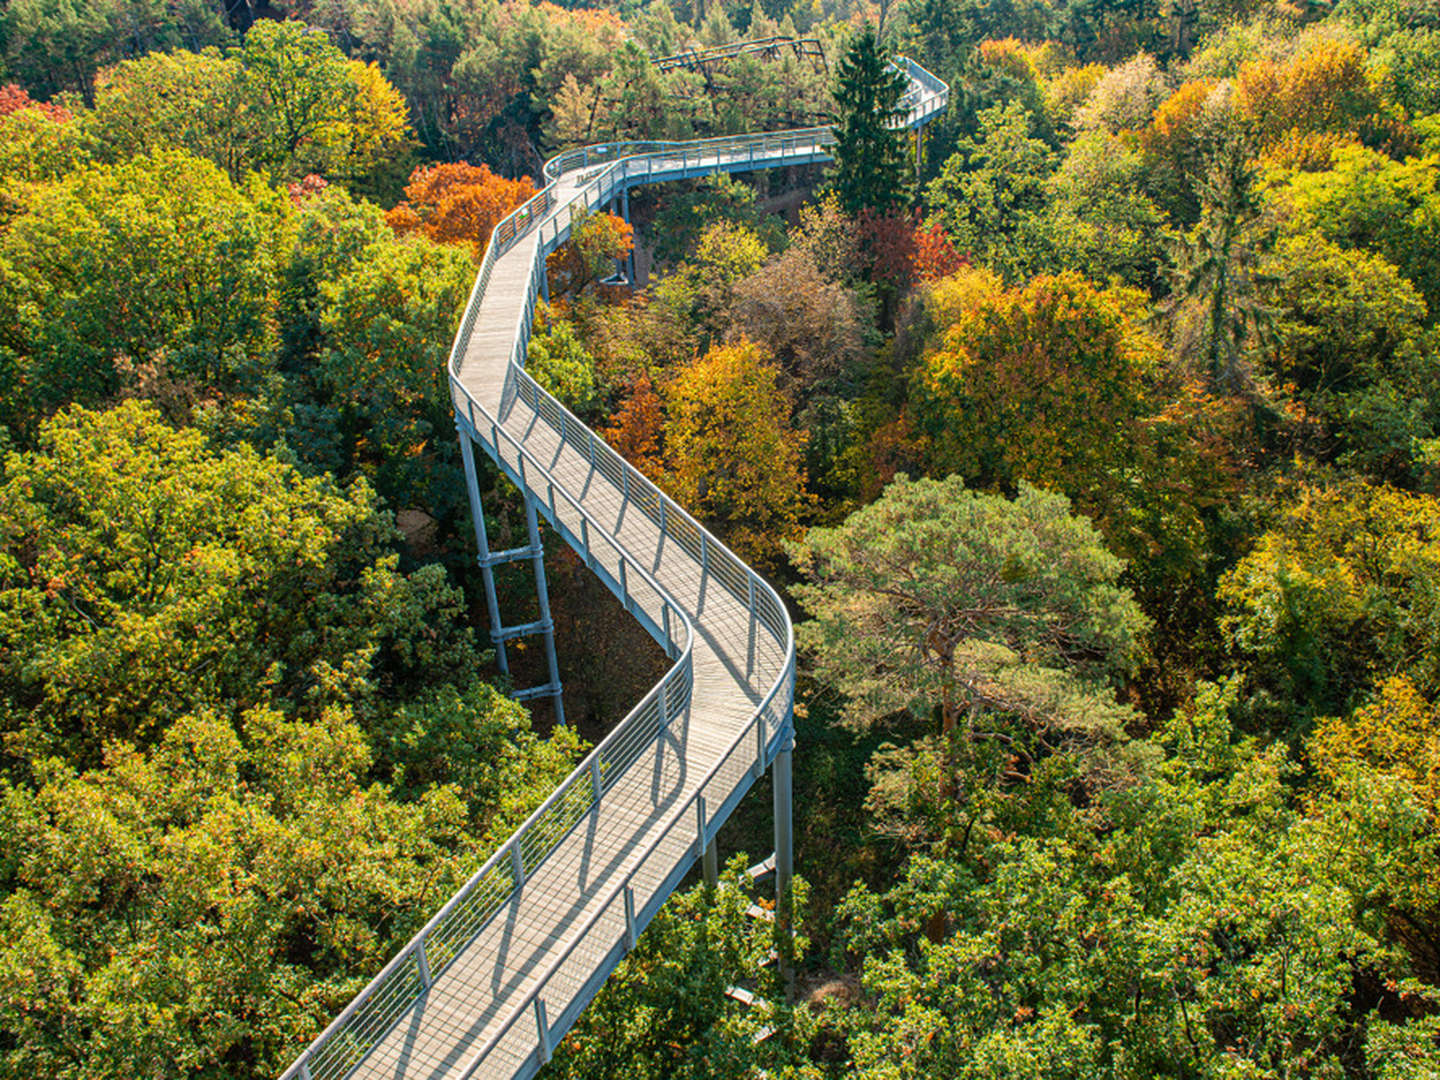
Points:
(869, 154)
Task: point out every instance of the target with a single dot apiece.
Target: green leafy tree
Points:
(388, 322)
(666, 1011)
(558, 361)
(1195, 923)
(1379, 773)
(937, 600)
(204, 906)
(147, 578)
(316, 111)
(685, 214)
(700, 295)
(1368, 200)
(869, 153)
(58, 45)
(159, 261)
(36, 146)
(1098, 219)
(1349, 345)
(197, 102)
(991, 191)
(1339, 591)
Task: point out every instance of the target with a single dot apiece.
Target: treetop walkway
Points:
(506, 965)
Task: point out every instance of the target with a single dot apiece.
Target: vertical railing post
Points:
(542, 1029)
(517, 864)
(753, 631)
(422, 964)
(629, 918)
(709, 859)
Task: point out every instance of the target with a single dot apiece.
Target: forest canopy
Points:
(1092, 438)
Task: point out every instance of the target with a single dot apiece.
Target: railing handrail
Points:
(582, 772)
(563, 162)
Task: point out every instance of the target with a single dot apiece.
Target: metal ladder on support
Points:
(488, 560)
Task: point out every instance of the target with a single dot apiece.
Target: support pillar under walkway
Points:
(534, 550)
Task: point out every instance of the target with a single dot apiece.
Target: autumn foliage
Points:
(596, 242)
(733, 454)
(14, 98)
(1324, 89)
(638, 427)
(904, 250)
(458, 203)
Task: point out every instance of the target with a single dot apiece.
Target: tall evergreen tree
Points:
(869, 154)
(1215, 305)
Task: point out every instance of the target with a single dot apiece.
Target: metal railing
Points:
(612, 926)
(925, 97)
(770, 46)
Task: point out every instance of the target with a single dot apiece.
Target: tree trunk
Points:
(938, 923)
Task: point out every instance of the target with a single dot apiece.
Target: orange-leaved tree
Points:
(596, 241)
(639, 426)
(14, 98)
(458, 203)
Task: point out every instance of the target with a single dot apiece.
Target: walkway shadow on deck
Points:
(663, 800)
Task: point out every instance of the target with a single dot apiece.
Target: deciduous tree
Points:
(597, 242)
(1338, 592)
(732, 456)
(990, 192)
(458, 204)
(147, 577)
(160, 260)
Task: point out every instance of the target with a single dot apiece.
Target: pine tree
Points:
(1215, 304)
(869, 154)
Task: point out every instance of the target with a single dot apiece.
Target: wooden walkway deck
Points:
(554, 939)
(466, 1006)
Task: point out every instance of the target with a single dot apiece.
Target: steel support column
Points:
(488, 560)
(482, 542)
(542, 592)
(784, 862)
(626, 266)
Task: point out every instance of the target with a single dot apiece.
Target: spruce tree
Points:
(869, 154)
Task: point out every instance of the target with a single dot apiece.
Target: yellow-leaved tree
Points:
(735, 460)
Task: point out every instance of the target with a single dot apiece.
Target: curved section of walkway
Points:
(505, 967)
